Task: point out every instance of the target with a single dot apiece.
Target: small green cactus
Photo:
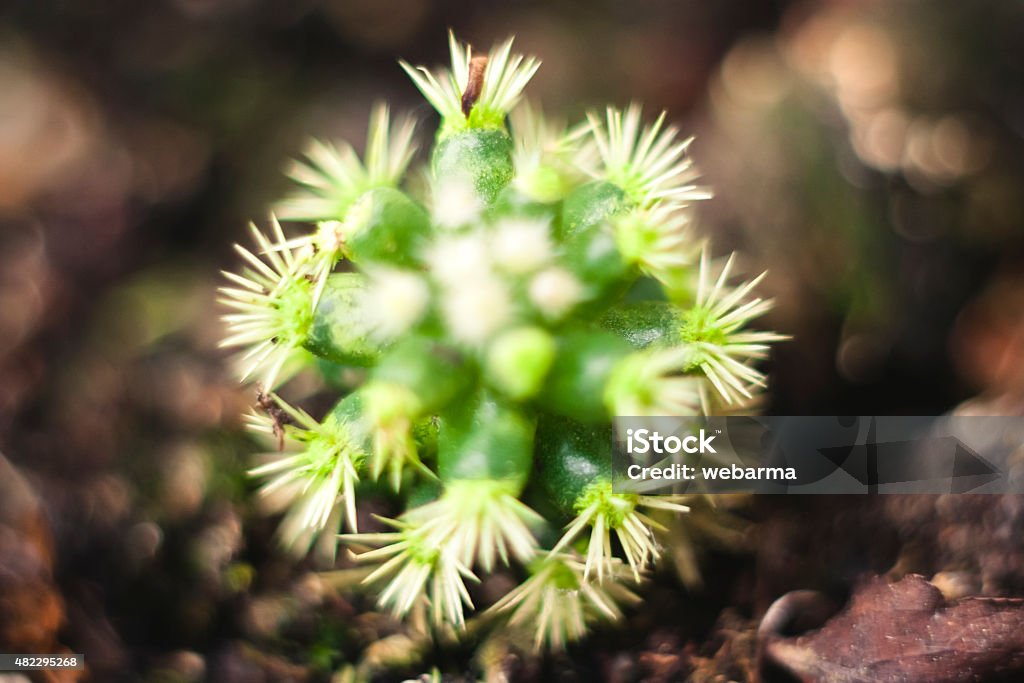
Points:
(500, 321)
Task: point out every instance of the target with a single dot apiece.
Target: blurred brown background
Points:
(870, 155)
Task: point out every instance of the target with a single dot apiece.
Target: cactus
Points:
(548, 279)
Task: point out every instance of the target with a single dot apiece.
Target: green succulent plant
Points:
(500, 321)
